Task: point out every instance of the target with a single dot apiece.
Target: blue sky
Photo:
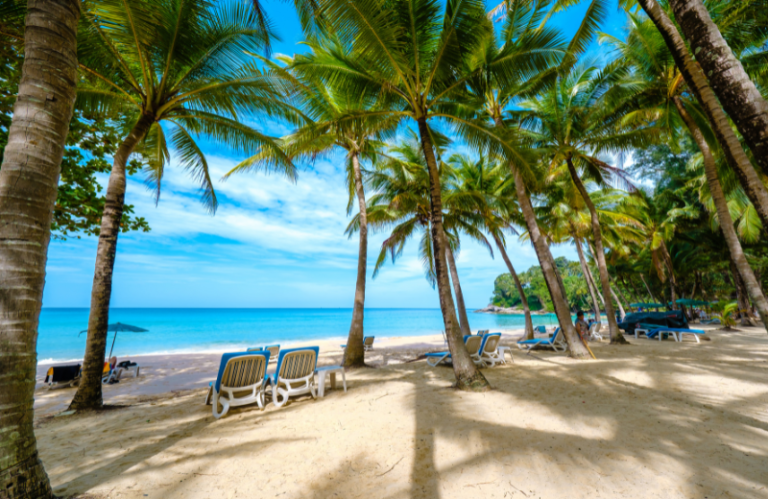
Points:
(271, 243)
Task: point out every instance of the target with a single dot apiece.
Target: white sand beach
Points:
(654, 419)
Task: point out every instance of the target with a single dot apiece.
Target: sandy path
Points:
(664, 420)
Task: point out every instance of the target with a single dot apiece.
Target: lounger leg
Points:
(224, 405)
(321, 384)
(208, 395)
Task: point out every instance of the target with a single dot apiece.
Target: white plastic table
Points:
(332, 370)
(503, 350)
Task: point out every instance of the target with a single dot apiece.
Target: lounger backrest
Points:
(255, 349)
(555, 336)
(241, 369)
(368, 341)
(490, 342)
(273, 350)
(297, 363)
(540, 329)
(473, 344)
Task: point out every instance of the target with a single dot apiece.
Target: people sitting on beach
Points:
(581, 326)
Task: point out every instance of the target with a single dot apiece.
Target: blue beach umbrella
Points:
(119, 327)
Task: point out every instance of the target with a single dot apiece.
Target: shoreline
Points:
(235, 347)
(166, 374)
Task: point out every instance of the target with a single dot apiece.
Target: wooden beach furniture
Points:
(241, 381)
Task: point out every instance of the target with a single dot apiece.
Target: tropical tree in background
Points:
(574, 123)
(182, 63)
(488, 191)
(401, 205)
(325, 109)
(29, 176)
(418, 55)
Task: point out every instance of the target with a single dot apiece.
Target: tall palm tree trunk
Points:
(622, 313)
(653, 298)
(741, 296)
(734, 89)
(724, 216)
(354, 354)
(468, 377)
(462, 309)
(88, 395)
(592, 277)
(576, 347)
(616, 337)
(672, 279)
(523, 299)
(29, 179)
(585, 271)
(696, 80)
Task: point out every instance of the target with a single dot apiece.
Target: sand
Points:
(654, 419)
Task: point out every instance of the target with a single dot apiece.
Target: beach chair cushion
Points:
(555, 342)
(240, 381)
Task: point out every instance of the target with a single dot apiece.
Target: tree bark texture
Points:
(741, 296)
(29, 179)
(653, 298)
(724, 217)
(468, 377)
(617, 338)
(354, 354)
(732, 85)
(88, 395)
(585, 271)
(523, 299)
(592, 277)
(576, 347)
(622, 313)
(699, 86)
(463, 319)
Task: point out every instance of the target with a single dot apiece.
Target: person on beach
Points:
(581, 326)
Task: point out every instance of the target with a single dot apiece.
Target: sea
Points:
(195, 330)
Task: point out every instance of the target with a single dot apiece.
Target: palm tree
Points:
(575, 124)
(182, 63)
(658, 87)
(417, 54)
(539, 53)
(29, 177)
(734, 89)
(402, 200)
(699, 86)
(324, 107)
(490, 194)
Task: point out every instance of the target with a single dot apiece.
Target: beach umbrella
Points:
(646, 305)
(119, 327)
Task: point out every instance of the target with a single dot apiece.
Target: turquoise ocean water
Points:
(186, 330)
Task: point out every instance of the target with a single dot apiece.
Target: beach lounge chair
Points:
(241, 381)
(473, 348)
(556, 342)
(490, 351)
(295, 374)
(111, 374)
(367, 343)
(540, 329)
(133, 367)
(481, 332)
(63, 376)
(714, 320)
(273, 350)
(594, 332)
(677, 333)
